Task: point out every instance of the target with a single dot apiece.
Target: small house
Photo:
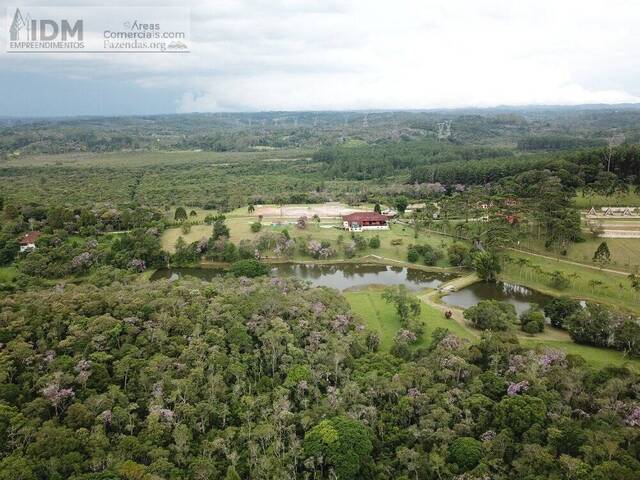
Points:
(28, 241)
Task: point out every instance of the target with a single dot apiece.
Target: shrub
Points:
(374, 242)
(558, 280)
(458, 253)
(491, 315)
(412, 255)
(561, 308)
(249, 268)
(431, 256)
(532, 321)
(256, 227)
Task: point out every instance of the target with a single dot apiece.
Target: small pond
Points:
(518, 296)
(339, 276)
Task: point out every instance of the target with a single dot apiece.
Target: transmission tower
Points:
(444, 130)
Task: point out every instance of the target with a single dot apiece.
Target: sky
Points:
(259, 55)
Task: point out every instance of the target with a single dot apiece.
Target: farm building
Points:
(357, 222)
(614, 212)
(28, 241)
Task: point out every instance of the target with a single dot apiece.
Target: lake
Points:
(339, 276)
(517, 295)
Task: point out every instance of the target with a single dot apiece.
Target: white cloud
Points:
(319, 54)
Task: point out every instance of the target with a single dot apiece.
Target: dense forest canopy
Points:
(270, 379)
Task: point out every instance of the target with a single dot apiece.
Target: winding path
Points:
(432, 298)
(570, 262)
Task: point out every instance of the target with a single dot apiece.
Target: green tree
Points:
(532, 321)
(377, 208)
(220, 229)
(491, 315)
(249, 268)
(341, 443)
(559, 309)
(465, 453)
(458, 254)
(407, 306)
(602, 255)
(401, 204)
(487, 265)
(520, 413)
(180, 215)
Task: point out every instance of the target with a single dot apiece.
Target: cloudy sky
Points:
(251, 55)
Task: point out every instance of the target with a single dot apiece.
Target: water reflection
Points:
(339, 276)
(518, 296)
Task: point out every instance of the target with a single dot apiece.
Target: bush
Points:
(491, 315)
(466, 453)
(374, 242)
(431, 256)
(412, 255)
(249, 268)
(458, 254)
(561, 308)
(256, 227)
(559, 280)
(532, 321)
(396, 241)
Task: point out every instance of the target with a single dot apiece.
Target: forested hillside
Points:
(268, 379)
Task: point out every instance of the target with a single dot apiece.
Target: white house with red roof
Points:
(28, 241)
(359, 221)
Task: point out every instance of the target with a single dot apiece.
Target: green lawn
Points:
(613, 290)
(625, 252)
(7, 274)
(381, 317)
(239, 223)
(629, 199)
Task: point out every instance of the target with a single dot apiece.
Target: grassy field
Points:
(239, 223)
(625, 252)
(381, 317)
(629, 199)
(612, 289)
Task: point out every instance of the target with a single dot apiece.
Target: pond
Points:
(339, 276)
(517, 295)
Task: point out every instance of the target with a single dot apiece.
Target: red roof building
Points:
(28, 241)
(356, 222)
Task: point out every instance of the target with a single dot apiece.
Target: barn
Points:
(357, 222)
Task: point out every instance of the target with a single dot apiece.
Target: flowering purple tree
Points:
(137, 265)
(517, 388)
(82, 262)
(57, 395)
(633, 418)
(302, 222)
